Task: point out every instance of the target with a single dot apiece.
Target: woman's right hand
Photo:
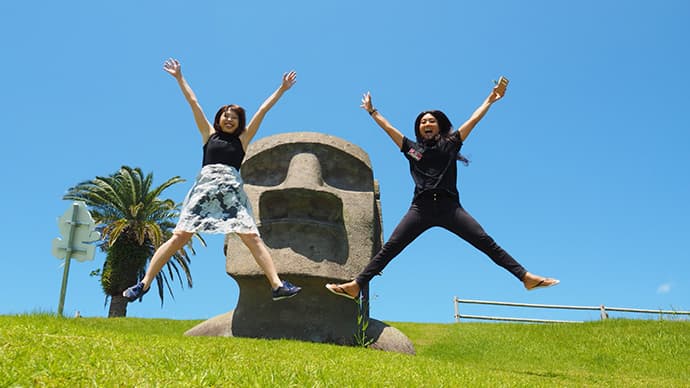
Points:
(366, 102)
(392, 132)
(172, 66)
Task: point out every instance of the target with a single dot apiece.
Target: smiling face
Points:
(229, 121)
(431, 125)
(428, 127)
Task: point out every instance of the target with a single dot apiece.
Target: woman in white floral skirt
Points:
(217, 202)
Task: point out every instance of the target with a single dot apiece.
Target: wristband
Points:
(371, 112)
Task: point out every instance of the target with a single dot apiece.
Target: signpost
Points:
(78, 226)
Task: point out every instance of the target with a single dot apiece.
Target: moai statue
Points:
(317, 207)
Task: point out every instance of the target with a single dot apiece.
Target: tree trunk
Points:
(118, 306)
(124, 261)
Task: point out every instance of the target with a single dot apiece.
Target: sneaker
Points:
(135, 292)
(287, 290)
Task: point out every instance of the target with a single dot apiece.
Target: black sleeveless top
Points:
(223, 148)
(433, 165)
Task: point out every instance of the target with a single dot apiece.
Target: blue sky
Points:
(581, 172)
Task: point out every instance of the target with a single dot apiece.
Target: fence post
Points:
(604, 315)
(455, 305)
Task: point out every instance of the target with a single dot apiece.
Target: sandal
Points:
(546, 282)
(340, 291)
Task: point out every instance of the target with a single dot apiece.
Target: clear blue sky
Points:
(582, 171)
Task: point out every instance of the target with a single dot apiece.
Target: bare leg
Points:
(263, 258)
(531, 281)
(163, 255)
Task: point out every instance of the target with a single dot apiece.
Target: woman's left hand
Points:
(496, 94)
(289, 79)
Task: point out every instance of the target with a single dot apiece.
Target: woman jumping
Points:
(433, 165)
(217, 202)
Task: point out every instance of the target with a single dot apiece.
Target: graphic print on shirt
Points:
(414, 154)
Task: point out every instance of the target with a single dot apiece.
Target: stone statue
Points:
(317, 207)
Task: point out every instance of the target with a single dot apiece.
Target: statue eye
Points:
(339, 169)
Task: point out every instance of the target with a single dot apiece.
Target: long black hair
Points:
(445, 129)
(241, 118)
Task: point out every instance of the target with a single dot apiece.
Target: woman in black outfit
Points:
(433, 165)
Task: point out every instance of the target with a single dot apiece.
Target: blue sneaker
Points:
(287, 290)
(135, 292)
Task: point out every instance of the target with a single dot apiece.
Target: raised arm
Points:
(289, 79)
(496, 94)
(173, 67)
(392, 132)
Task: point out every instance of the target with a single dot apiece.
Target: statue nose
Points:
(304, 171)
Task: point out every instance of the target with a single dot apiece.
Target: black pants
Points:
(438, 209)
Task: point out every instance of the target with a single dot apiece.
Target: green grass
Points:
(44, 350)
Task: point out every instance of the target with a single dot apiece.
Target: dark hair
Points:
(239, 111)
(445, 129)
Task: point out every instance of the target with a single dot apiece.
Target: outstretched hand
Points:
(289, 79)
(172, 66)
(497, 93)
(366, 102)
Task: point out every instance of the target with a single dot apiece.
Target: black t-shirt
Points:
(433, 166)
(223, 148)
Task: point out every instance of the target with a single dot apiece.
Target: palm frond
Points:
(124, 204)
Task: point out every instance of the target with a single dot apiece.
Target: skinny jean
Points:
(431, 209)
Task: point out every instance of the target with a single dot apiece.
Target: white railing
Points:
(603, 311)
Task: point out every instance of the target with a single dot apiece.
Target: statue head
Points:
(316, 204)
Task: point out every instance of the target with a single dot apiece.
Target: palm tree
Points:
(133, 223)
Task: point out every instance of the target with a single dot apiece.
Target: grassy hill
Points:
(43, 350)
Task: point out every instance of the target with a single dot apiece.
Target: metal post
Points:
(604, 315)
(455, 305)
(68, 255)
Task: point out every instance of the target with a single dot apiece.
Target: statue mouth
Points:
(309, 222)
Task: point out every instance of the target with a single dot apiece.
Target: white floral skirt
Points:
(217, 203)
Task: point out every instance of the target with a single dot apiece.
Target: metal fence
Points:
(603, 311)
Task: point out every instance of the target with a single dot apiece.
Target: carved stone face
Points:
(316, 205)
